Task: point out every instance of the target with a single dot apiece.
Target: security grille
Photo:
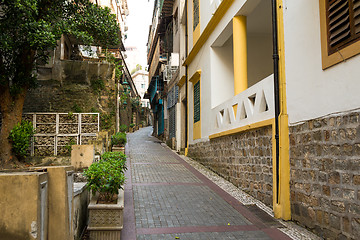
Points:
(197, 102)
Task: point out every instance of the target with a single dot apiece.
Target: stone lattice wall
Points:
(245, 159)
(325, 175)
(56, 132)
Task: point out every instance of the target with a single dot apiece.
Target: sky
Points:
(138, 21)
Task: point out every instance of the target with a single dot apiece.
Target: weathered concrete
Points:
(23, 205)
(80, 209)
(82, 156)
(60, 192)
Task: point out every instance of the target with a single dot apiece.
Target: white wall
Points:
(222, 73)
(260, 62)
(202, 60)
(311, 91)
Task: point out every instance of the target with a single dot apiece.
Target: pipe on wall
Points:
(276, 92)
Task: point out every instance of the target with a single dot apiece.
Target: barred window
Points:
(196, 14)
(197, 102)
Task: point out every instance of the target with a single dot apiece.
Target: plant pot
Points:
(118, 148)
(106, 220)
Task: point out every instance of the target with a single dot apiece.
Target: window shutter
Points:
(356, 8)
(343, 20)
(196, 14)
(197, 102)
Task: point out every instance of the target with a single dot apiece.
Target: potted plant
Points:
(105, 180)
(118, 142)
(132, 125)
(123, 128)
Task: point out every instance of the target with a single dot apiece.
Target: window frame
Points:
(348, 50)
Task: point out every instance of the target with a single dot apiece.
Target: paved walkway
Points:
(166, 198)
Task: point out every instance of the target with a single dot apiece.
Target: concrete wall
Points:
(60, 192)
(80, 209)
(245, 159)
(23, 205)
(311, 91)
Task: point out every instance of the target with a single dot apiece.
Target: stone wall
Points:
(72, 84)
(325, 175)
(245, 159)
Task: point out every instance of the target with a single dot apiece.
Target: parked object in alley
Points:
(105, 179)
(118, 142)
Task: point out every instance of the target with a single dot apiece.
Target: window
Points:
(196, 16)
(196, 20)
(343, 18)
(195, 80)
(142, 85)
(340, 30)
(197, 102)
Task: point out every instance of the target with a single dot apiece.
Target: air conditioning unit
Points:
(167, 73)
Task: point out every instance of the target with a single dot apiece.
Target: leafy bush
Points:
(107, 176)
(118, 139)
(132, 125)
(123, 128)
(20, 136)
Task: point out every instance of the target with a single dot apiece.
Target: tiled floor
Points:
(166, 198)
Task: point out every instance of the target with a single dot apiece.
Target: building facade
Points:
(271, 104)
(141, 81)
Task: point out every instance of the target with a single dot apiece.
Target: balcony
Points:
(255, 104)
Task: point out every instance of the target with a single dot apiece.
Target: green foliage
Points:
(94, 110)
(29, 30)
(97, 85)
(132, 125)
(106, 120)
(107, 176)
(123, 97)
(70, 115)
(69, 144)
(118, 139)
(76, 108)
(123, 128)
(20, 136)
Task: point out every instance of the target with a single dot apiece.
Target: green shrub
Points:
(118, 139)
(132, 125)
(107, 176)
(123, 128)
(20, 137)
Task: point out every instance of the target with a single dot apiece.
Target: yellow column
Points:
(240, 54)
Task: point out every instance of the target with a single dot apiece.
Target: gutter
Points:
(186, 80)
(276, 93)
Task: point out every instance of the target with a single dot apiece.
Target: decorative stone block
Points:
(106, 220)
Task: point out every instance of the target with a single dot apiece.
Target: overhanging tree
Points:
(28, 30)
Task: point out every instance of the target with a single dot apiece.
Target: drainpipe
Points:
(276, 93)
(186, 80)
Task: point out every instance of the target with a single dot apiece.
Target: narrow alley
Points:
(166, 198)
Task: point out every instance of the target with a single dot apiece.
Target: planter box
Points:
(106, 220)
(118, 149)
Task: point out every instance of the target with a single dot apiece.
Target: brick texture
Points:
(245, 159)
(325, 175)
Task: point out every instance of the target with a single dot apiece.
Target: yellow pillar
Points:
(240, 54)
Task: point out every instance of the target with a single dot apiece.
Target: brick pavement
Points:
(165, 198)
